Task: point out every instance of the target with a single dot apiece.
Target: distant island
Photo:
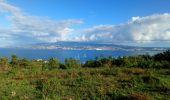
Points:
(89, 46)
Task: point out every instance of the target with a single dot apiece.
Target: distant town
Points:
(89, 46)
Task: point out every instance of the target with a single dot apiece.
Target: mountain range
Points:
(89, 46)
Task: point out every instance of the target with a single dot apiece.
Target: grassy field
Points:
(38, 80)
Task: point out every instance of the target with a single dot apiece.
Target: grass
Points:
(127, 78)
(85, 83)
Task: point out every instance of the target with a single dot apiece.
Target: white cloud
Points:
(138, 29)
(135, 18)
(40, 28)
(96, 33)
(5, 7)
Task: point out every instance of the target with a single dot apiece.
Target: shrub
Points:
(72, 63)
(149, 79)
(162, 56)
(92, 64)
(24, 63)
(53, 63)
(49, 89)
(4, 62)
(14, 61)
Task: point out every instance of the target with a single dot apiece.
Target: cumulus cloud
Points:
(138, 29)
(40, 28)
(96, 33)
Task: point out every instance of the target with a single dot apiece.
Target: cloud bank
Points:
(23, 27)
(138, 29)
(34, 27)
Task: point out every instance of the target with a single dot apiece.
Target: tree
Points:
(162, 56)
(24, 63)
(14, 61)
(93, 64)
(72, 63)
(4, 62)
(53, 63)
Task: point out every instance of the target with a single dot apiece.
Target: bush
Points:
(72, 63)
(24, 63)
(4, 62)
(14, 61)
(149, 79)
(53, 63)
(162, 56)
(93, 64)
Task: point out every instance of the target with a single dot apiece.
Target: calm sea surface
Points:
(82, 55)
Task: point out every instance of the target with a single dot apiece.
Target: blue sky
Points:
(133, 22)
(93, 12)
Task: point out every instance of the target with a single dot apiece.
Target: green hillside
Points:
(142, 77)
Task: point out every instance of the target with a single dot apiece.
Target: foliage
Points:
(14, 61)
(72, 63)
(4, 62)
(53, 63)
(141, 77)
(165, 56)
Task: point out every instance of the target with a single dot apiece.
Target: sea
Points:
(82, 55)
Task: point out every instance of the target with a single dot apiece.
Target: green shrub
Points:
(110, 71)
(72, 63)
(162, 56)
(4, 62)
(92, 64)
(14, 61)
(54, 63)
(24, 63)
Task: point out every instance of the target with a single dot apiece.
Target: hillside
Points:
(89, 46)
(128, 78)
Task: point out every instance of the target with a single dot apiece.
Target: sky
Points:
(126, 22)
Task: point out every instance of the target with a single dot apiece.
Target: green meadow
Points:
(141, 77)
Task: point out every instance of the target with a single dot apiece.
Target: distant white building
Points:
(39, 60)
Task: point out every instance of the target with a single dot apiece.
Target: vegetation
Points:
(142, 77)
